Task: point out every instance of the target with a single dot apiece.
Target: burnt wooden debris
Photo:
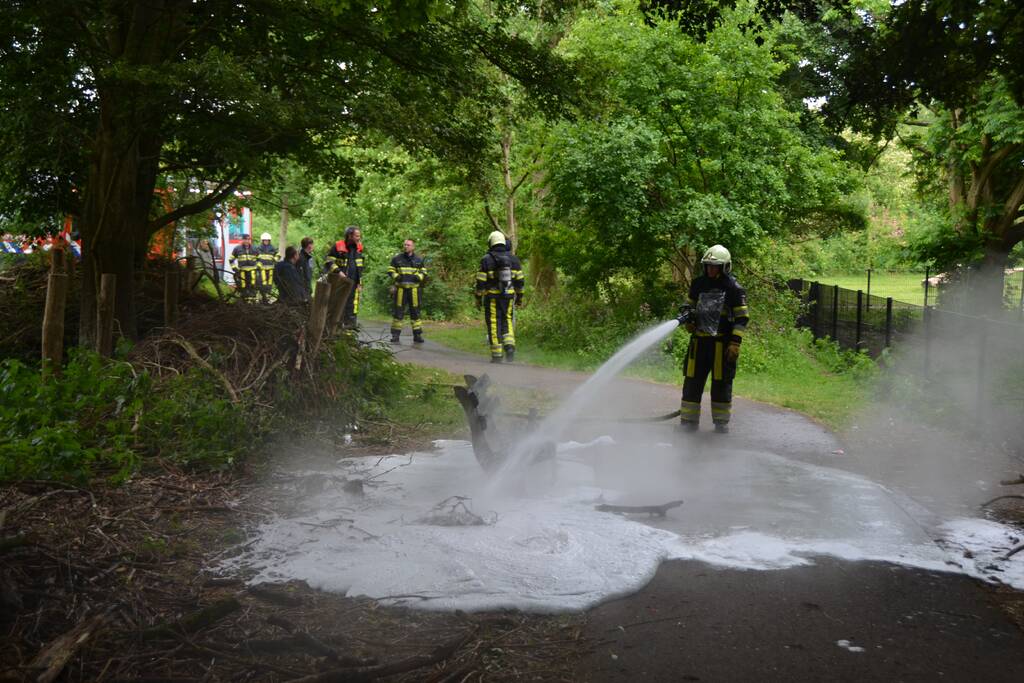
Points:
(492, 441)
(652, 510)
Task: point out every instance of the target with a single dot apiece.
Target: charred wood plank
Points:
(659, 510)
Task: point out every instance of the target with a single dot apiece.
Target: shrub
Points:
(67, 427)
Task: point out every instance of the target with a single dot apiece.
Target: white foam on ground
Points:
(552, 551)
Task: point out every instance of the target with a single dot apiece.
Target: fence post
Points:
(888, 322)
(926, 314)
(927, 278)
(868, 304)
(813, 295)
(105, 315)
(318, 316)
(860, 302)
(1020, 312)
(982, 343)
(835, 313)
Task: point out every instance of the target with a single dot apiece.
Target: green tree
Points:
(694, 144)
(104, 99)
(945, 76)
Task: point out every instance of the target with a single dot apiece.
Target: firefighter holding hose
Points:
(347, 256)
(716, 316)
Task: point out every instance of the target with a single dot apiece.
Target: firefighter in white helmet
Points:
(266, 255)
(499, 290)
(720, 319)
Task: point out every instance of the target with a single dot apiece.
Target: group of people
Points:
(717, 324)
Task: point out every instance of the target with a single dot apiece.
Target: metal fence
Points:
(977, 359)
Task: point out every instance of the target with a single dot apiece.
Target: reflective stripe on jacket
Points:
(407, 270)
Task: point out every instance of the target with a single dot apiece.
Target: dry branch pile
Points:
(243, 346)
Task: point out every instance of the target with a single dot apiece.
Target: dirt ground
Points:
(111, 585)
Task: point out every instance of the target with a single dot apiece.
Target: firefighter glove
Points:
(479, 303)
(392, 289)
(691, 327)
(732, 353)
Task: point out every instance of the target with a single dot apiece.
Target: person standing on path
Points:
(407, 275)
(499, 290)
(720, 319)
(244, 264)
(347, 256)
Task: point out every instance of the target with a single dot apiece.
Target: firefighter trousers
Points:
(352, 307)
(499, 319)
(246, 283)
(706, 356)
(406, 297)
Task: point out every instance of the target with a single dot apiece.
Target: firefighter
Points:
(346, 255)
(499, 284)
(266, 255)
(407, 277)
(720, 319)
(244, 264)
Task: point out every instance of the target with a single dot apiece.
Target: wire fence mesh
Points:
(973, 358)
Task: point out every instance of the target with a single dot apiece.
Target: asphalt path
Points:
(832, 620)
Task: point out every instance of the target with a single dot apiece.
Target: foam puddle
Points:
(550, 551)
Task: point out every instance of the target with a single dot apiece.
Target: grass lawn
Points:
(900, 286)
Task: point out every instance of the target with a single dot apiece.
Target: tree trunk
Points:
(510, 189)
(282, 240)
(543, 276)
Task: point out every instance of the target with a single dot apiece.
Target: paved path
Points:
(695, 621)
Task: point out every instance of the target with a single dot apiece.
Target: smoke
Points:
(946, 422)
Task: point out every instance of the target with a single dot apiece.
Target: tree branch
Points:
(204, 204)
(1011, 209)
(487, 210)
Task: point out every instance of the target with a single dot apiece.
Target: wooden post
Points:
(341, 289)
(53, 315)
(171, 296)
(105, 315)
(318, 317)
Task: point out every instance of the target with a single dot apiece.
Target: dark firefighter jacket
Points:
(500, 274)
(407, 270)
(734, 315)
(243, 257)
(267, 255)
(347, 259)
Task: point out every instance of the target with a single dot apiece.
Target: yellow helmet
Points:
(496, 237)
(718, 256)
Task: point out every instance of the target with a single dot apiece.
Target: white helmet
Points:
(266, 236)
(718, 256)
(496, 237)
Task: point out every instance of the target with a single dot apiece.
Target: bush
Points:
(70, 426)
